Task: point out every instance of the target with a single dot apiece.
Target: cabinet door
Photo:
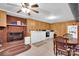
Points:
(34, 36)
(3, 19)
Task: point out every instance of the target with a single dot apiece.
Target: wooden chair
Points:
(61, 46)
(76, 50)
(54, 46)
(1, 42)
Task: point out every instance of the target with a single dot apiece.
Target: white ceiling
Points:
(59, 11)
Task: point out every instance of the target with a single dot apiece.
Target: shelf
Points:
(14, 25)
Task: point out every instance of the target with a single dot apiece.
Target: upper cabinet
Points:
(3, 19)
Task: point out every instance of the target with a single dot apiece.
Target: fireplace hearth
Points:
(14, 36)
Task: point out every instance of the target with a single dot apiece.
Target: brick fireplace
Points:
(12, 37)
(15, 36)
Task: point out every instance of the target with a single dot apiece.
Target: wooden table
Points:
(72, 44)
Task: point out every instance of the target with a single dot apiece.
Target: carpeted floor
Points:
(41, 43)
(44, 48)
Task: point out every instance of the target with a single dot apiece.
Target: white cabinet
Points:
(37, 36)
(52, 35)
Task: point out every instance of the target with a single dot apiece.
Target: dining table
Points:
(72, 43)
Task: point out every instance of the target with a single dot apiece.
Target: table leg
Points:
(69, 53)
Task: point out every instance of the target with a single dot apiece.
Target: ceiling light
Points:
(52, 17)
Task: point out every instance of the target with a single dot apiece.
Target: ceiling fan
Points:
(27, 8)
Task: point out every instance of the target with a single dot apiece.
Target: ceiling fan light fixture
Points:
(28, 10)
(24, 9)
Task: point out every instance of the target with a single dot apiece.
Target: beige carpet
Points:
(41, 43)
(45, 49)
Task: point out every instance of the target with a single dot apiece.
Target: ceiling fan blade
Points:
(35, 11)
(19, 11)
(26, 4)
(29, 14)
(35, 5)
(22, 5)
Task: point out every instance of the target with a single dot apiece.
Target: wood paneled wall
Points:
(33, 25)
(61, 27)
(3, 19)
(15, 19)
